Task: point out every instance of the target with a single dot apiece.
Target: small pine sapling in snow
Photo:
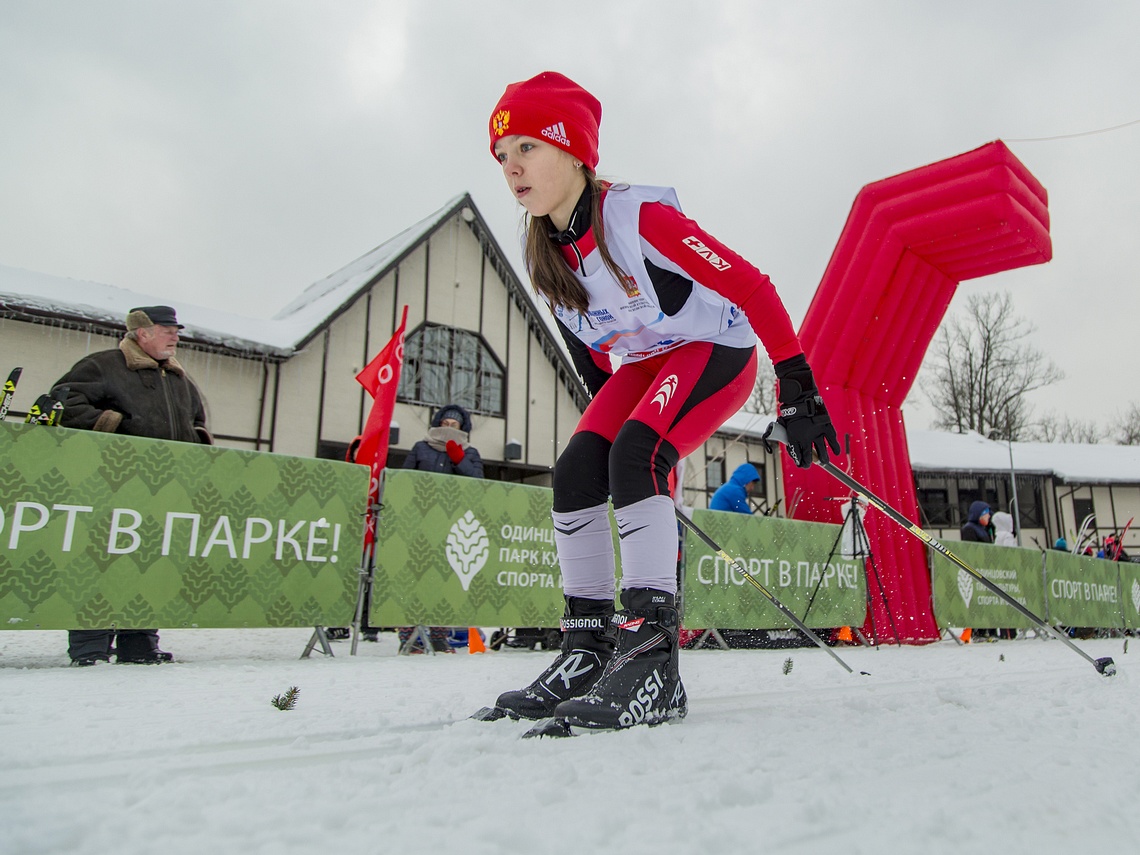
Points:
(788, 666)
(288, 700)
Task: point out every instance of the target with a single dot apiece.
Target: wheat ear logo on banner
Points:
(965, 586)
(467, 548)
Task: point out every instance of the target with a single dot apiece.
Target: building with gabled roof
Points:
(287, 384)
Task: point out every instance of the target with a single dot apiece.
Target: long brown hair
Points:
(549, 274)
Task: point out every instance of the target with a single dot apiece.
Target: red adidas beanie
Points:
(553, 108)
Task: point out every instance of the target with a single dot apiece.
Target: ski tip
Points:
(489, 714)
(556, 728)
(1105, 666)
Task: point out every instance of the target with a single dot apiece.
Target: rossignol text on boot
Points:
(587, 645)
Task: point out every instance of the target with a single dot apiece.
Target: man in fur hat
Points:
(138, 389)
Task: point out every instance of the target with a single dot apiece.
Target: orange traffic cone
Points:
(966, 635)
(845, 634)
(475, 641)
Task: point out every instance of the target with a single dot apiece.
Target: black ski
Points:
(555, 728)
(48, 409)
(489, 714)
(561, 727)
(9, 391)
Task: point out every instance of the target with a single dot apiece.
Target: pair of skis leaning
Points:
(47, 410)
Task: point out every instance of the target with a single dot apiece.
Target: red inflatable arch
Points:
(908, 241)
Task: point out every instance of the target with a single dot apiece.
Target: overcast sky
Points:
(231, 153)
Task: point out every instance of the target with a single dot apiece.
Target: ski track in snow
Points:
(941, 747)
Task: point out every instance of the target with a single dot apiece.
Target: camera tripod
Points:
(852, 541)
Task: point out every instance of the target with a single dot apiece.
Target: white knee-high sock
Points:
(585, 544)
(649, 541)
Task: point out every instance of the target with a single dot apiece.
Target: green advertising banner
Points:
(457, 551)
(99, 530)
(454, 551)
(962, 600)
(1130, 593)
(788, 557)
(1082, 591)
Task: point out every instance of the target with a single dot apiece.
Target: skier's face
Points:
(542, 177)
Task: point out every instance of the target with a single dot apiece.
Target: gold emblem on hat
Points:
(501, 121)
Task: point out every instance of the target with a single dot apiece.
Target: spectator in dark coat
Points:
(976, 529)
(447, 448)
(733, 494)
(138, 389)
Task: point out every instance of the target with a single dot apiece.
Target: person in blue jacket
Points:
(976, 528)
(733, 494)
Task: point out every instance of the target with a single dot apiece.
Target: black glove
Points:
(801, 411)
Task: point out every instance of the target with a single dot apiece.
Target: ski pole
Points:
(752, 580)
(1104, 665)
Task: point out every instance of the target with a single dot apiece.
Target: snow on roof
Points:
(940, 451)
(39, 294)
(1083, 463)
(74, 299)
(322, 299)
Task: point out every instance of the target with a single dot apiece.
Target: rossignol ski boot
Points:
(587, 644)
(641, 684)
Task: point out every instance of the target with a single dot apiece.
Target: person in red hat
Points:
(628, 276)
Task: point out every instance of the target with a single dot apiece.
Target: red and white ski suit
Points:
(685, 334)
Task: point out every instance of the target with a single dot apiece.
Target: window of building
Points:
(944, 499)
(1082, 508)
(327, 450)
(445, 365)
(716, 473)
(934, 503)
(1031, 507)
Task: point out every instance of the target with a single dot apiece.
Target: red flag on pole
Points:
(380, 377)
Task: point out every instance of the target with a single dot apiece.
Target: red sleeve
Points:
(706, 260)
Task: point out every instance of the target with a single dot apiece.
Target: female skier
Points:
(626, 274)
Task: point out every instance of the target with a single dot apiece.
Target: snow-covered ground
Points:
(1011, 746)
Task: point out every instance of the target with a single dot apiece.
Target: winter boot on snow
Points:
(641, 684)
(587, 644)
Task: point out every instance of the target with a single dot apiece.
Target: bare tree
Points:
(1126, 427)
(763, 397)
(1064, 429)
(980, 367)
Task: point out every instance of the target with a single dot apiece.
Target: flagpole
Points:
(381, 378)
(367, 567)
